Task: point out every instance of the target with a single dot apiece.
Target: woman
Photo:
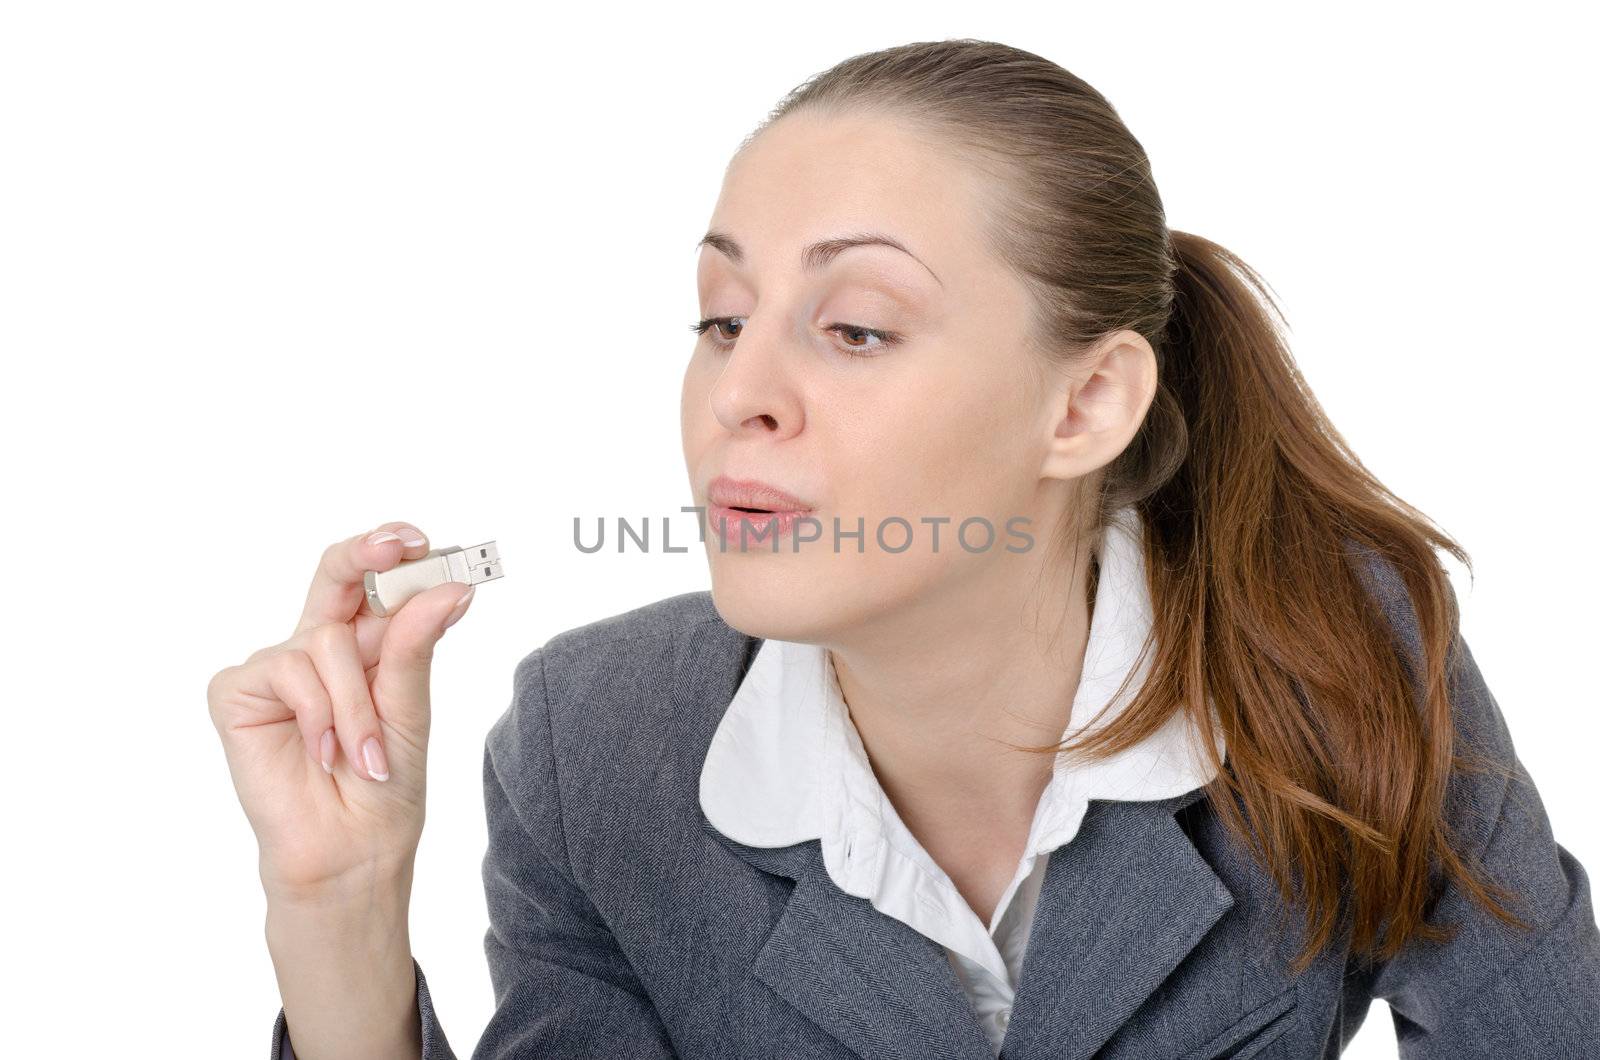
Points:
(1167, 746)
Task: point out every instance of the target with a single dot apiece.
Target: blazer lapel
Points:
(877, 985)
(1120, 906)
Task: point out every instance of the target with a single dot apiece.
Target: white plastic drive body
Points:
(387, 591)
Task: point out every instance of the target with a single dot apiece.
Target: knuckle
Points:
(214, 686)
(323, 639)
(261, 653)
(282, 664)
(215, 690)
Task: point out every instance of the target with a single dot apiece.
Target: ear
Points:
(1098, 405)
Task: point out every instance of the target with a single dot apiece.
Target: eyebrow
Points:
(819, 254)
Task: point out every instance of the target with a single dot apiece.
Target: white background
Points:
(271, 274)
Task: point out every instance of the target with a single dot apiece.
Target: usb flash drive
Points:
(387, 590)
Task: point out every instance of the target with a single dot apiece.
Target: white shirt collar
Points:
(786, 764)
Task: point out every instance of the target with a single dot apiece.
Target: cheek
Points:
(948, 443)
(694, 404)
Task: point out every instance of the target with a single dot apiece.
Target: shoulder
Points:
(1477, 716)
(612, 661)
(656, 621)
(612, 665)
(603, 701)
(1386, 584)
(1489, 794)
(604, 717)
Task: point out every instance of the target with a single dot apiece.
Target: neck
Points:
(938, 689)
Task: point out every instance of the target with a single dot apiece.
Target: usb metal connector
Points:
(388, 590)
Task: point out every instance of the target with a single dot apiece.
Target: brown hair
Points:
(1253, 504)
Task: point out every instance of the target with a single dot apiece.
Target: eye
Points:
(885, 338)
(703, 326)
(850, 332)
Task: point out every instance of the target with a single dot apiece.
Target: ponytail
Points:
(1262, 545)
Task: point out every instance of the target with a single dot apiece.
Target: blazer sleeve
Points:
(434, 1045)
(1494, 990)
(562, 985)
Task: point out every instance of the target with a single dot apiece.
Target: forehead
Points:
(809, 177)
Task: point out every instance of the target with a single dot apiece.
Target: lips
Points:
(752, 495)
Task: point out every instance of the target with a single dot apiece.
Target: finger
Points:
(405, 663)
(337, 592)
(242, 696)
(296, 683)
(369, 640)
(333, 649)
(276, 684)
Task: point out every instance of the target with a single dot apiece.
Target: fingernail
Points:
(460, 608)
(372, 752)
(327, 750)
(378, 537)
(411, 537)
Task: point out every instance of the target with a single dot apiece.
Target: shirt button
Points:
(1003, 1017)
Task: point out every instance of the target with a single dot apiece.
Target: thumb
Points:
(405, 661)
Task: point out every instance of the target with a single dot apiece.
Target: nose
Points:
(759, 389)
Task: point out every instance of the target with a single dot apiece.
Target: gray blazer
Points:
(621, 924)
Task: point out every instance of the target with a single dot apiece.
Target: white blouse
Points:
(787, 764)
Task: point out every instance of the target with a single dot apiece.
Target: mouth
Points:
(752, 497)
(740, 508)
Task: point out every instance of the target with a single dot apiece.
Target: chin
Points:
(764, 603)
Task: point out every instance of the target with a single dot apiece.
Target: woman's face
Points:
(954, 416)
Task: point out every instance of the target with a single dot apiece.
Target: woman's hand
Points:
(311, 725)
